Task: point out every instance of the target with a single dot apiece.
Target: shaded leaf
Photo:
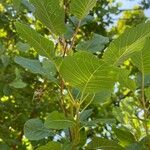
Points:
(35, 130)
(35, 66)
(85, 114)
(104, 144)
(147, 93)
(96, 44)
(50, 146)
(125, 137)
(56, 120)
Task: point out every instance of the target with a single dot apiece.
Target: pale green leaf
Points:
(50, 146)
(18, 84)
(104, 144)
(56, 120)
(81, 8)
(141, 59)
(87, 73)
(129, 42)
(124, 80)
(96, 44)
(22, 46)
(42, 45)
(51, 14)
(35, 130)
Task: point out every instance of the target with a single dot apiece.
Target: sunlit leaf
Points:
(42, 45)
(81, 8)
(129, 42)
(87, 73)
(51, 14)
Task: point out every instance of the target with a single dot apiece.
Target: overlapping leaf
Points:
(129, 42)
(35, 130)
(104, 144)
(56, 120)
(47, 70)
(141, 59)
(51, 146)
(96, 44)
(87, 73)
(42, 45)
(81, 8)
(51, 14)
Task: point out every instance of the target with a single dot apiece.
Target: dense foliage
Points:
(67, 83)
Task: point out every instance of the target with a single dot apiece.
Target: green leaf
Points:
(98, 121)
(32, 65)
(141, 59)
(132, 40)
(147, 93)
(42, 45)
(5, 60)
(4, 146)
(87, 73)
(102, 96)
(35, 130)
(125, 137)
(51, 14)
(18, 84)
(85, 114)
(22, 46)
(35, 67)
(96, 44)
(135, 146)
(124, 80)
(81, 8)
(50, 146)
(2, 49)
(56, 120)
(145, 142)
(104, 144)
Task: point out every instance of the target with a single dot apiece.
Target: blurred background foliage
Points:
(24, 95)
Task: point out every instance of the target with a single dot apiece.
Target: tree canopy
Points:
(72, 77)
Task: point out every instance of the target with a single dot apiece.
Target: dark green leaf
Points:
(104, 144)
(124, 137)
(56, 120)
(96, 44)
(35, 130)
(50, 146)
